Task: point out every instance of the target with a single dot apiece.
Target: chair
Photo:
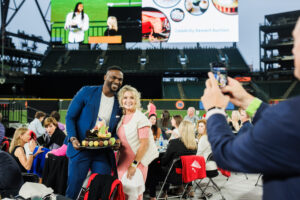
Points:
(96, 186)
(210, 175)
(55, 173)
(225, 173)
(256, 184)
(192, 168)
(29, 177)
(4, 146)
(84, 187)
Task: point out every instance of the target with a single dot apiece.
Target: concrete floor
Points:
(237, 187)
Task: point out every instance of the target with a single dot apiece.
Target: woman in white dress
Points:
(77, 22)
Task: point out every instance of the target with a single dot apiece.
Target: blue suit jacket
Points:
(82, 115)
(245, 127)
(271, 147)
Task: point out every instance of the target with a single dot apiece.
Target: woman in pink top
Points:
(134, 142)
(151, 108)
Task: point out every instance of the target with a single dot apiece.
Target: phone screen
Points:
(220, 72)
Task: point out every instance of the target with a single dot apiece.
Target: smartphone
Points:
(220, 72)
(32, 135)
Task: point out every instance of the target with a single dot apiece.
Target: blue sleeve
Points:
(74, 112)
(270, 147)
(260, 111)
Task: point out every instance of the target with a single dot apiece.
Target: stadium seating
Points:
(170, 91)
(236, 61)
(163, 59)
(193, 90)
(158, 60)
(275, 89)
(199, 59)
(127, 59)
(81, 60)
(51, 60)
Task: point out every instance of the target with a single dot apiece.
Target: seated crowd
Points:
(184, 137)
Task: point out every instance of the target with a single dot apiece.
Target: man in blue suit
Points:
(89, 104)
(271, 147)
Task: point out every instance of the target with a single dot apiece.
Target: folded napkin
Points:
(29, 190)
(135, 186)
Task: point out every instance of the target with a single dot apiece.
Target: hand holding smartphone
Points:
(220, 72)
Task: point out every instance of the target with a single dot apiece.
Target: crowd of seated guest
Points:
(180, 133)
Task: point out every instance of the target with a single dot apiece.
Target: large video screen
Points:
(121, 21)
(92, 21)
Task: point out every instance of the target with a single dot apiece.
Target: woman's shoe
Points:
(190, 191)
(164, 195)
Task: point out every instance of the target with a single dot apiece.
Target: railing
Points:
(12, 111)
(59, 34)
(15, 110)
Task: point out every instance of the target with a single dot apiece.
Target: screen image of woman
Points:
(77, 22)
(112, 26)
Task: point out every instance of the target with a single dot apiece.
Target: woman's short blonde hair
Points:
(136, 95)
(112, 23)
(17, 137)
(187, 132)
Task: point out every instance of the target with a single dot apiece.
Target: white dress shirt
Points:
(37, 127)
(105, 108)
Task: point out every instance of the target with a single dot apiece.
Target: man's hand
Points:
(75, 143)
(131, 172)
(213, 96)
(238, 95)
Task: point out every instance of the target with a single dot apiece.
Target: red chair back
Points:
(116, 184)
(193, 168)
(224, 172)
(4, 144)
